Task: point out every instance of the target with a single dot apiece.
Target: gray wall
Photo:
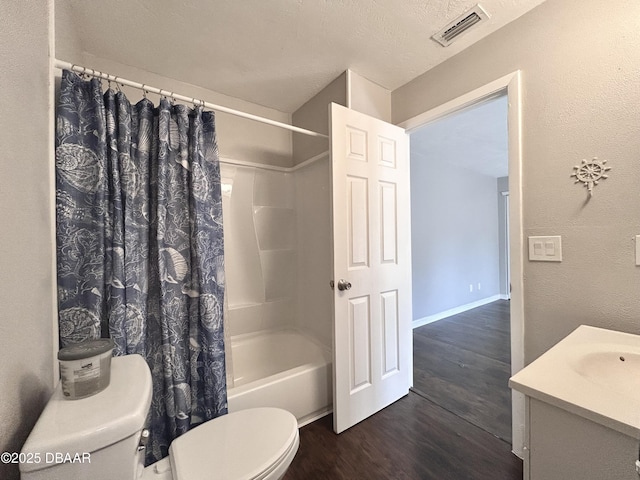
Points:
(580, 99)
(368, 97)
(26, 253)
(314, 299)
(348, 89)
(454, 236)
(314, 115)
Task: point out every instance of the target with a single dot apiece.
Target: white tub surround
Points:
(260, 248)
(583, 407)
(282, 369)
(277, 265)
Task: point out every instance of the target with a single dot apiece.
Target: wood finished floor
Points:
(415, 438)
(410, 439)
(463, 364)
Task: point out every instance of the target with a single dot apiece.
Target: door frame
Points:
(507, 253)
(509, 84)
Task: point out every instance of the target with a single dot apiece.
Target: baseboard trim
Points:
(454, 311)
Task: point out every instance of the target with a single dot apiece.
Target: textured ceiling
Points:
(276, 53)
(475, 139)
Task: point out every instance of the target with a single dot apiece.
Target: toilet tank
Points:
(96, 437)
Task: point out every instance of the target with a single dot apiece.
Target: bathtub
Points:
(282, 369)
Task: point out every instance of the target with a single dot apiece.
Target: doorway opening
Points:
(466, 243)
(462, 357)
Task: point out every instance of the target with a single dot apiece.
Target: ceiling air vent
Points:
(463, 23)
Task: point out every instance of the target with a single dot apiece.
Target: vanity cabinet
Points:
(582, 407)
(565, 446)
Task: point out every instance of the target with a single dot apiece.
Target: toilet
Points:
(102, 437)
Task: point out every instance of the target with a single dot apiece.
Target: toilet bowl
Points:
(102, 437)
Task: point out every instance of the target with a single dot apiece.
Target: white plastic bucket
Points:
(85, 368)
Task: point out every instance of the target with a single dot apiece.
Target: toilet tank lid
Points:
(89, 424)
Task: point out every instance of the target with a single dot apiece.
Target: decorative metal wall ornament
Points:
(590, 172)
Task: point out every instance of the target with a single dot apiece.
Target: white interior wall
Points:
(580, 92)
(27, 283)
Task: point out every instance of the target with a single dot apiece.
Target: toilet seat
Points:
(278, 469)
(252, 444)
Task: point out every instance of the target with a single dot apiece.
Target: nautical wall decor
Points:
(590, 172)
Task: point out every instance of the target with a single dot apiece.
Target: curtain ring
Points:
(144, 92)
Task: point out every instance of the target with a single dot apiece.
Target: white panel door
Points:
(372, 340)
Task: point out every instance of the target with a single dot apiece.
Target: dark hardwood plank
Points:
(494, 316)
(411, 439)
(463, 363)
(470, 385)
(475, 338)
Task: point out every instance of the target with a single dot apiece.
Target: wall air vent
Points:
(460, 25)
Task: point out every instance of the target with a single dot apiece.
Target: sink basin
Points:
(612, 368)
(594, 373)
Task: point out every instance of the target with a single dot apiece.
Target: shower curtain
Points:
(140, 245)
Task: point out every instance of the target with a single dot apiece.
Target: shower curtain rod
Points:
(219, 108)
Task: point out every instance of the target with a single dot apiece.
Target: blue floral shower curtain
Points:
(140, 245)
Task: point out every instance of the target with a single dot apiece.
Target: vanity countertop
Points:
(594, 373)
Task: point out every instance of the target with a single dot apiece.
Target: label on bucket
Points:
(81, 377)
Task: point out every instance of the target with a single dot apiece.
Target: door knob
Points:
(344, 285)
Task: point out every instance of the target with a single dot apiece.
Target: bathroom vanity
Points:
(583, 408)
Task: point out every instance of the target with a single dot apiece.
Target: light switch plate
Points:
(545, 249)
